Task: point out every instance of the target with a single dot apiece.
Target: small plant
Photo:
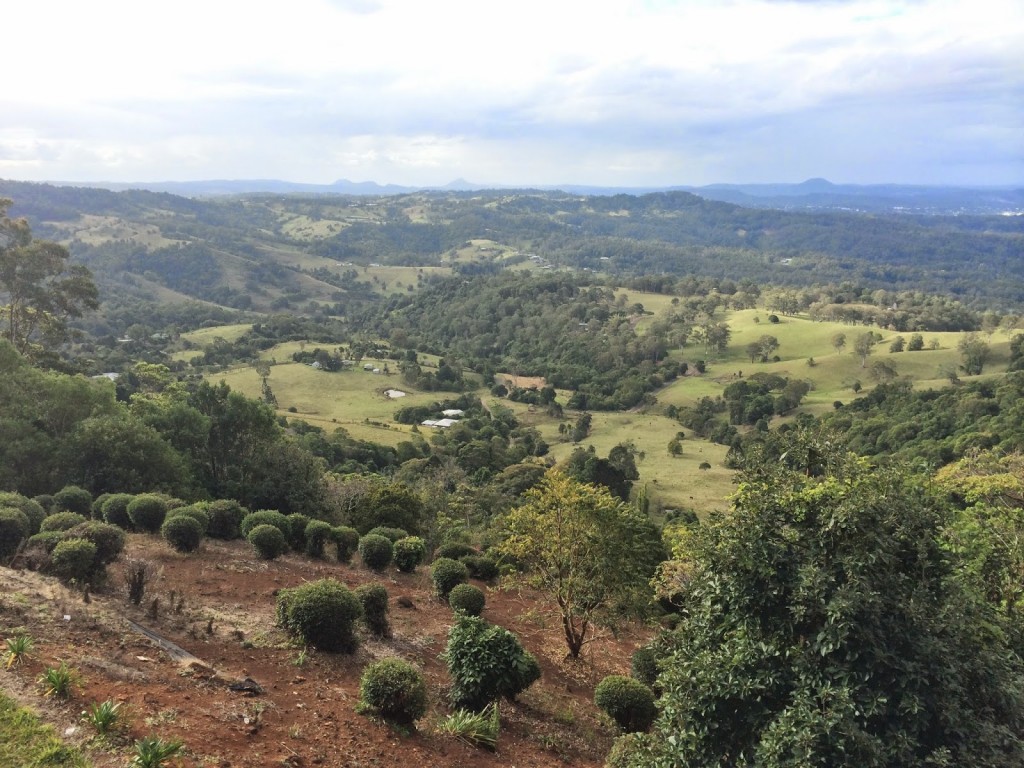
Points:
(18, 649)
(376, 551)
(628, 702)
(265, 517)
(71, 498)
(103, 717)
(196, 511)
(296, 532)
(301, 658)
(183, 532)
(394, 534)
(395, 690)
(446, 575)
(137, 574)
(115, 510)
(478, 729)
(374, 600)
(317, 535)
(58, 681)
(109, 539)
(481, 567)
(644, 666)
(467, 599)
(61, 521)
(453, 550)
(409, 553)
(268, 541)
(151, 752)
(322, 614)
(225, 519)
(14, 527)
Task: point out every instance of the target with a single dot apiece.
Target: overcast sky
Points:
(521, 92)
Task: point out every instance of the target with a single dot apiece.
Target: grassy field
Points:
(28, 743)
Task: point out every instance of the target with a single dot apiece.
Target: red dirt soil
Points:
(218, 605)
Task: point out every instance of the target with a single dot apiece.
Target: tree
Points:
(42, 291)
(973, 354)
(916, 343)
(898, 344)
(863, 346)
(590, 552)
(766, 346)
(838, 342)
(823, 622)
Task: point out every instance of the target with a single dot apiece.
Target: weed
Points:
(103, 717)
(58, 681)
(301, 659)
(18, 648)
(479, 729)
(151, 752)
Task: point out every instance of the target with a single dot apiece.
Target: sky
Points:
(520, 93)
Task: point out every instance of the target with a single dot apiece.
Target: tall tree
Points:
(40, 289)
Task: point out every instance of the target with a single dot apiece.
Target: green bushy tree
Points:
(486, 663)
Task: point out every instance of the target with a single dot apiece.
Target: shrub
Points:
(317, 534)
(486, 663)
(62, 521)
(265, 517)
(446, 575)
(480, 567)
(109, 539)
(376, 551)
(73, 559)
(644, 666)
(196, 511)
(467, 599)
(395, 690)
(393, 534)
(14, 529)
(182, 532)
(628, 702)
(47, 540)
(322, 613)
(32, 509)
(374, 601)
(453, 550)
(115, 510)
(225, 519)
(45, 501)
(147, 512)
(268, 541)
(347, 541)
(137, 574)
(151, 752)
(103, 717)
(96, 508)
(409, 552)
(296, 532)
(71, 498)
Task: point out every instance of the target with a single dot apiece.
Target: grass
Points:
(478, 729)
(28, 743)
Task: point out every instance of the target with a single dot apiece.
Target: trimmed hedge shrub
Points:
(467, 599)
(183, 532)
(374, 601)
(486, 662)
(394, 534)
(480, 567)
(96, 508)
(109, 539)
(447, 574)
(225, 519)
(147, 512)
(644, 666)
(196, 511)
(395, 690)
(265, 517)
(115, 510)
(318, 533)
(73, 559)
(62, 521)
(347, 541)
(296, 532)
(376, 551)
(628, 702)
(45, 501)
(47, 540)
(409, 553)
(453, 550)
(71, 498)
(268, 541)
(322, 614)
(14, 529)
(33, 509)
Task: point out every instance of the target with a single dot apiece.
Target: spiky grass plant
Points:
(104, 717)
(478, 729)
(18, 649)
(58, 681)
(151, 752)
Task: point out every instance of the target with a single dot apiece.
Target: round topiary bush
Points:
(644, 666)
(71, 498)
(486, 662)
(268, 541)
(318, 533)
(109, 539)
(394, 534)
(265, 517)
(446, 575)
(467, 599)
(62, 521)
(376, 551)
(33, 509)
(296, 532)
(182, 532)
(374, 600)
(628, 702)
(45, 501)
(347, 541)
(115, 510)
(395, 690)
(409, 553)
(480, 567)
(72, 560)
(14, 529)
(322, 614)
(453, 550)
(48, 540)
(225, 519)
(96, 508)
(196, 511)
(147, 512)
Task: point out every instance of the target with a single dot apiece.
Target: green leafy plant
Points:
(467, 599)
(301, 658)
(226, 517)
(151, 752)
(322, 614)
(58, 682)
(73, 560)
(268, 541)
(183, 532)
(628, 702)
(18, 649)
(147, 512)
(374, 600)
(376, 551)
(318, 533)
(347, 541)
(14, 527)
(409, 553)
(446, 575)
(478, 729)
(265, 517)
(393, 534)
(395, 690)
(486, 663)
(104, 717)
(62, 521)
